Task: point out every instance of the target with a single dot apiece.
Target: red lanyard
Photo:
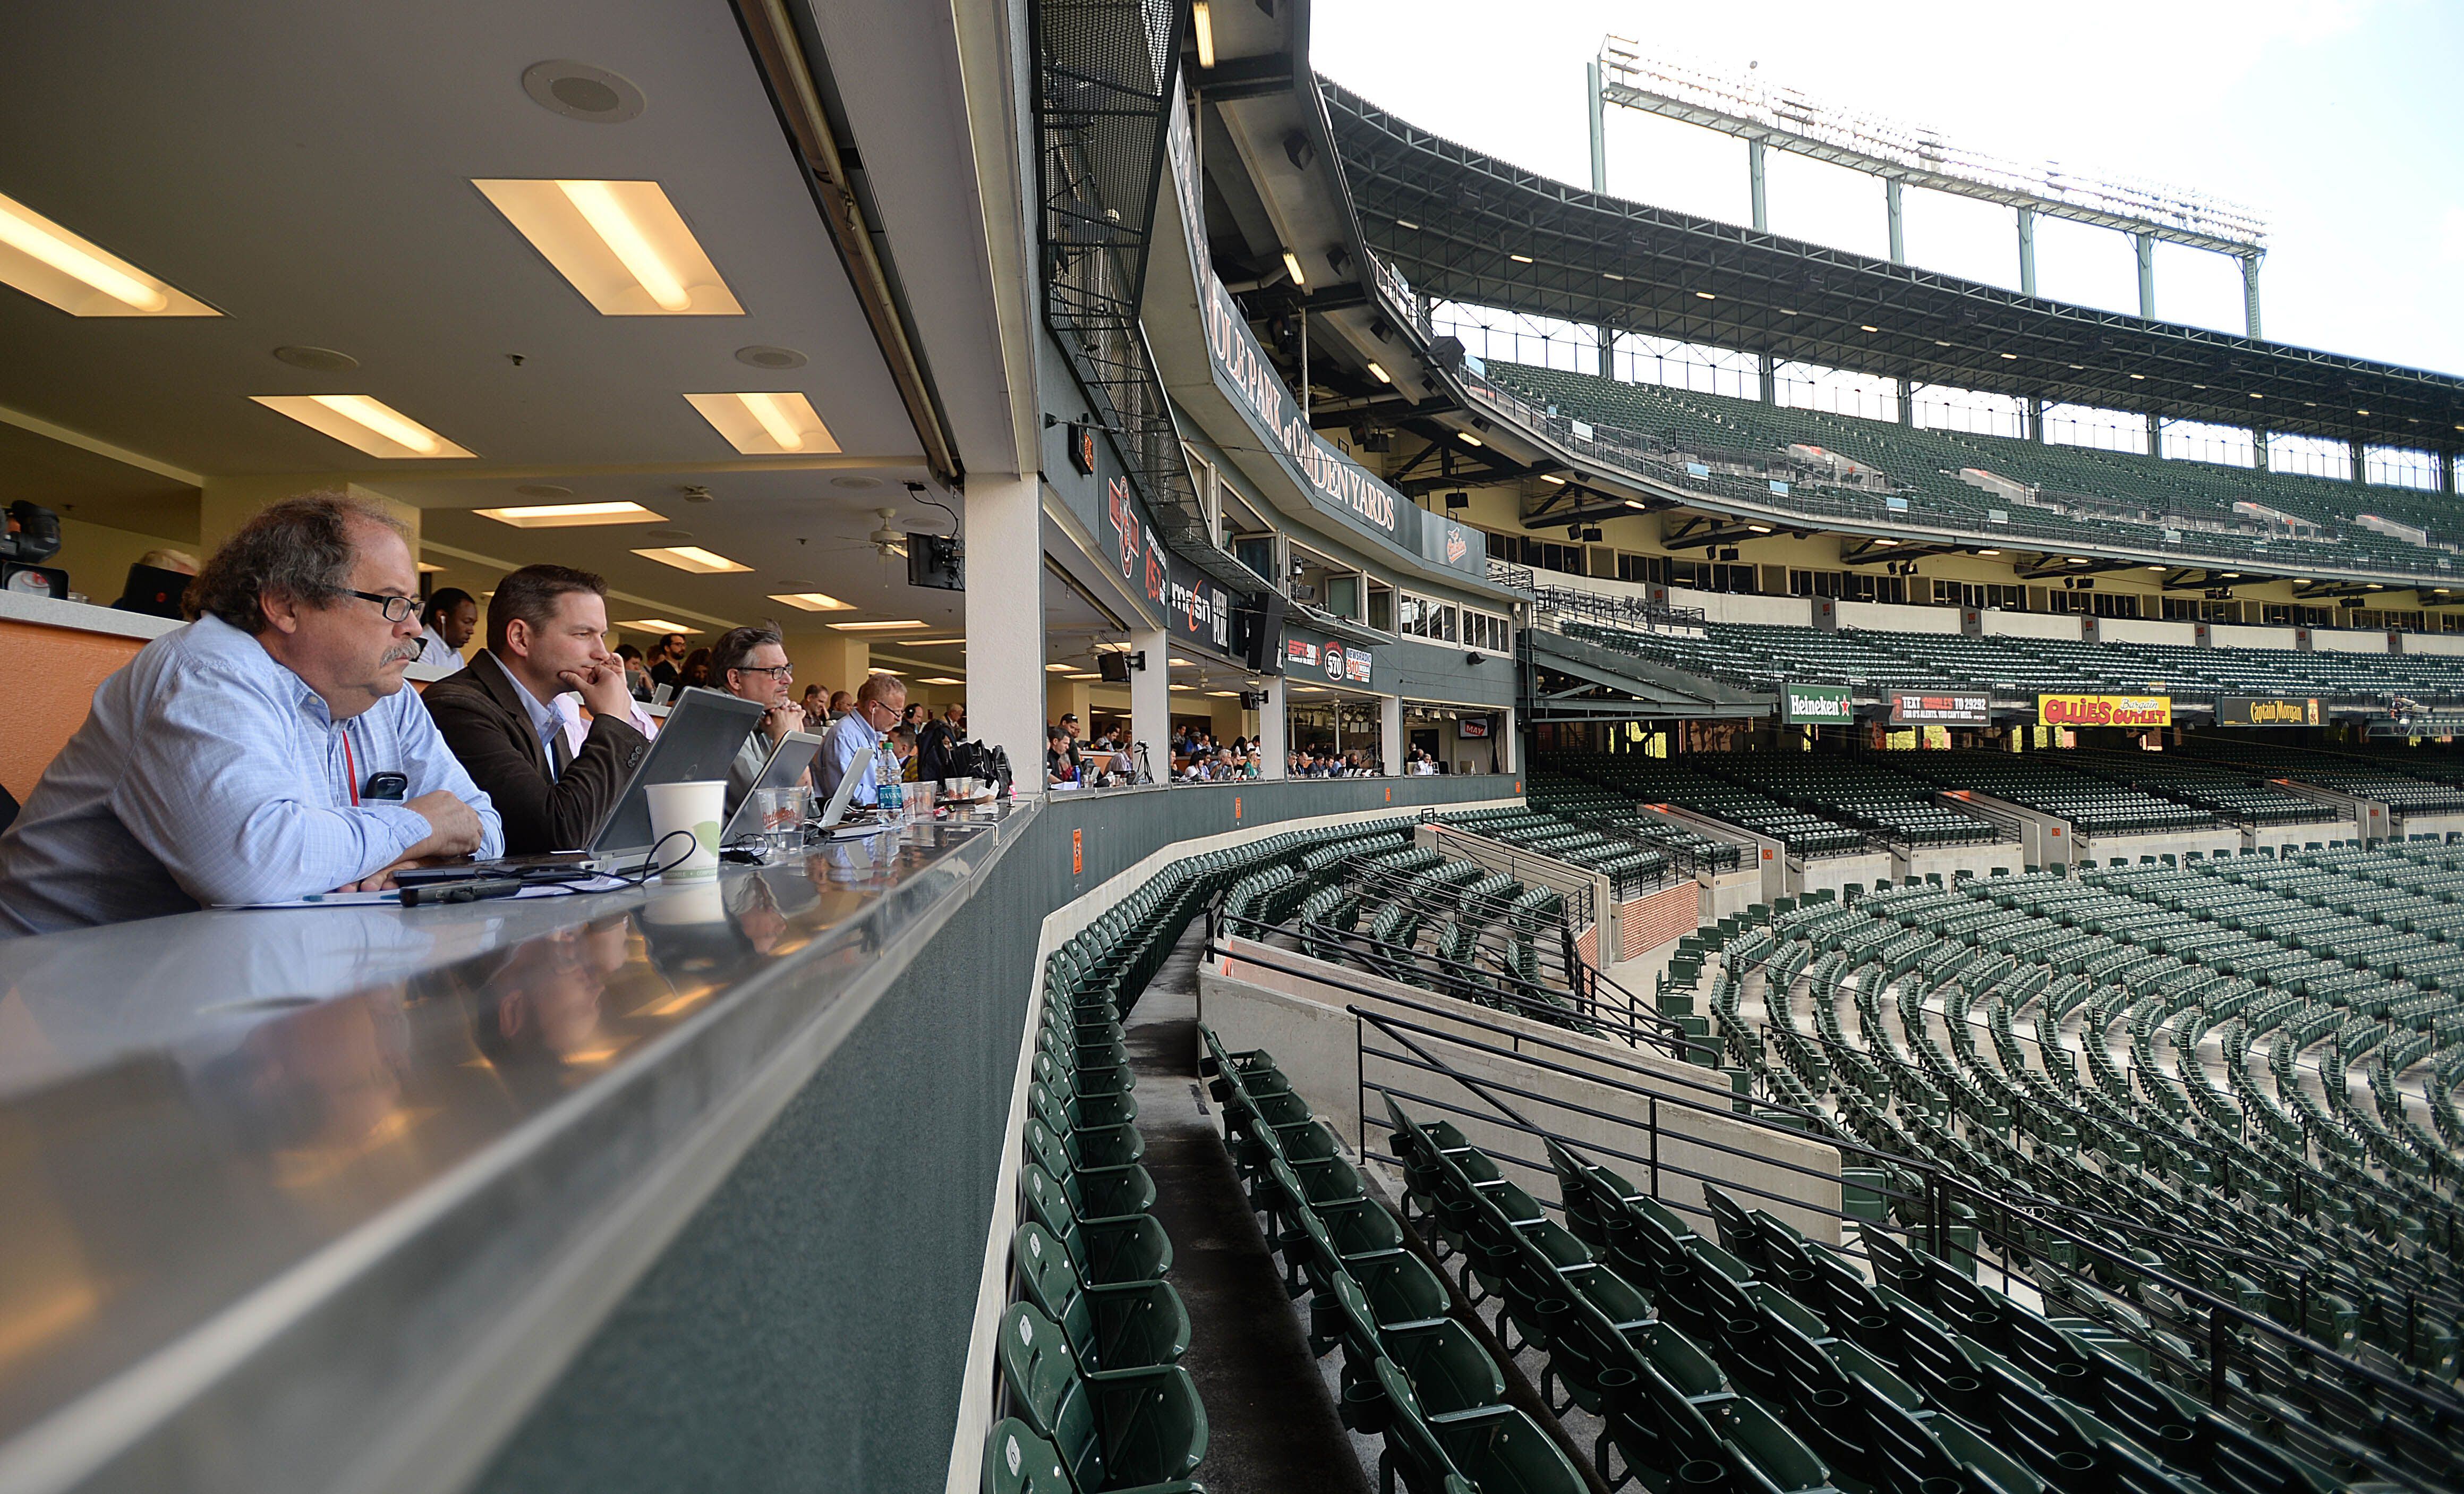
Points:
(351, 763)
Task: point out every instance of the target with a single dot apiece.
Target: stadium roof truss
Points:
(1465, 227)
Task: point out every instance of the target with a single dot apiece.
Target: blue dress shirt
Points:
(849, 745)
(208, 773)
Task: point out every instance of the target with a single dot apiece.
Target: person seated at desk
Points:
(265, 752)
(853, 745)
(451, 616)
(751, 664)
(665, 662)
(510, 721)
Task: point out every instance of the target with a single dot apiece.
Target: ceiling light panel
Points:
(621, 244)
(941, 679)
(694, 558)
(569, 516)
(657, 625)
(812, 601)
(875, 627)
(764, 423)
(363, 422)
(80, 278)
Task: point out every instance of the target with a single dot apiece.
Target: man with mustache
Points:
(265, 752)
(510, 716)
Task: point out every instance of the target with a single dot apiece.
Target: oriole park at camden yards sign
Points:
(1331, 479)
(2104, 710)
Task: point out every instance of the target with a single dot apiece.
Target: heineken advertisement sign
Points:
(1814, 705)
(2265, 711)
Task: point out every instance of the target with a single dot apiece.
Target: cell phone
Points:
(386, 787)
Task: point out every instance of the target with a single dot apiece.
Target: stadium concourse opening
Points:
(1838, 878)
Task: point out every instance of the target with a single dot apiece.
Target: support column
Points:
(1755, 153)
(1390, 732)
(2027, 251)
(2446, 472)
(1907, 403)
(1272, 737)
(1898, 229)
(2155, 433)
(1768, 372)
(1151, 698)
(2250, 292)
(832, 661)
(2146, 244)
(1510, 744)
(2258, 449)
(1004, 594)
(2037, 419)
(2360, 463)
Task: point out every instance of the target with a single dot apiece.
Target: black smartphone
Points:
(388, 787)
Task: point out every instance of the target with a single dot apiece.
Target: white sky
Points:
(2341, 120)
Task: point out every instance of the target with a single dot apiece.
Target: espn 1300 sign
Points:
(2104, 710)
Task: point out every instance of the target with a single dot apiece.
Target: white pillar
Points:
(1150, 698)
(1389, 731)
(1508, 743)
(1271, 735)
(1006, 619)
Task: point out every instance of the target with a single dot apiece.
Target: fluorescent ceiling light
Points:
(2014, 357)
(1470, 440)
(1989, 552)
(1202, 16)
(1861, 327)
(926, 643)
(567, 516)
(370, 425)
(1890, 542)
(429, 566)
(1293, 268)
(656, 625)
(1520, 258)
(1553, 478)
(621, 244)
(1060, 669)
(766, 423)
(2159, 567)
(2138, 376)
(1631, 503)
(876, 627)
(1609, 276)
(691, 557)
(1759, 528)
(1378, 373)
(1227, 695)
(812, 601)
(1082, 677)
(52, 264)
(1183, 687)
(1182, 663)
(1704, 295)
(1404, 223)
(941, 679)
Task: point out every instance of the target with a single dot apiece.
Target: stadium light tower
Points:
(1905, 155)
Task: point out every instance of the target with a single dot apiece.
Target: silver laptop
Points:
(659, 693)
(699, 741)
(790, 760)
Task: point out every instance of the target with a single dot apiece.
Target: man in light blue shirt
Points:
(265, 752)
(851, 745)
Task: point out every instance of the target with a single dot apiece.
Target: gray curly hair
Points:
(299, 549)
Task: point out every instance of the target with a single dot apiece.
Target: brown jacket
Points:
(480, 714)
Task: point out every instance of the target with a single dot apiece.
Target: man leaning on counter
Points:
(265, 752)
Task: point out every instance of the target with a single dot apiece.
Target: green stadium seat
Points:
(1114, 1431)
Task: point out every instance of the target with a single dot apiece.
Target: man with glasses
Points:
(263, 753)
(852, 745)
(751, 664)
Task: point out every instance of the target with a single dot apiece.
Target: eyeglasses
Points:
(784, 671)
(397, 609)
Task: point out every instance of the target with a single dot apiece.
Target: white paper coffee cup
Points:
(695, 808)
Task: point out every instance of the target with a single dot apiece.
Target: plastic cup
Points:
(782, 812)
(696, 808)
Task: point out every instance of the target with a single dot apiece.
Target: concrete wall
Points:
(1947, 861)
(2335, 640)
(2448, 643)
(2233, 636)
(2102, 849)
(2278, 836)
(1305, 1026)
(2146, 629)
(1835, 872)
(1896, 618)
(2441, 825)
(2045, 625)
(1785, 612)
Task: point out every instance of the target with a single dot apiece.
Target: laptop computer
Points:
(790, 760)
(699, 741)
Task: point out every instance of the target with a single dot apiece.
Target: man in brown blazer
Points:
(506, 719)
